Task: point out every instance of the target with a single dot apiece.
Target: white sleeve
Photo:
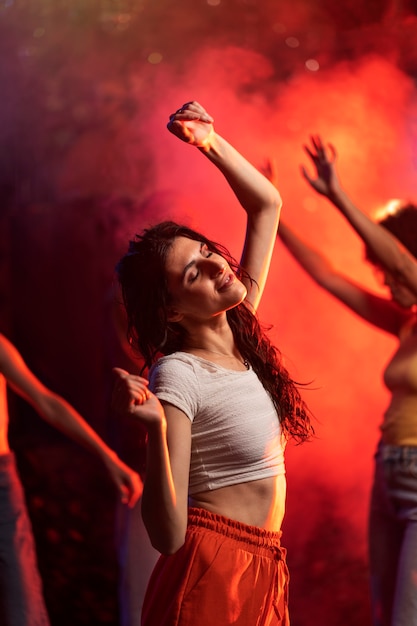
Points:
(174, 381)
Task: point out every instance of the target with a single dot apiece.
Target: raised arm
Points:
(60, 414)
(378, 311)
(257, 195)
(390, 253)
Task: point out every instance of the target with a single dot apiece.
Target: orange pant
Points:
(226, 573)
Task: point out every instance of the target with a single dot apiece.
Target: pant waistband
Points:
(234, 529)
(387, 452)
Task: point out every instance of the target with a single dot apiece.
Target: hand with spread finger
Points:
(326, 182)
(191, 123)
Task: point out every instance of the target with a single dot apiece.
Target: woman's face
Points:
(200, 282)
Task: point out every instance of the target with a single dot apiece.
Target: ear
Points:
(173, 315)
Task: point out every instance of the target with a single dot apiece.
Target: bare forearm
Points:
(310, 259)
(57, 412)
(163, 515)
(388, 251)
(253, 190)
(376, 310)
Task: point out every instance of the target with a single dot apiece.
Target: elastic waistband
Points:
(387, 452)
(233, 529)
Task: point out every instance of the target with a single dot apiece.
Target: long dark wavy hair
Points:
(142, 277)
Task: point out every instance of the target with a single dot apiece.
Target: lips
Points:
(226, 282)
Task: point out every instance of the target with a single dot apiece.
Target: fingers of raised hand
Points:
(305, 173)
(190, 111)
(321, 154)
(333, 153)
(313, 155)
(317, 144)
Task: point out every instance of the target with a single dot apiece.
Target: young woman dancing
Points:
(218, 410)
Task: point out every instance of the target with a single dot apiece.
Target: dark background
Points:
(85, 161)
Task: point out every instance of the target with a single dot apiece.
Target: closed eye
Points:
(192, 276)
(206, 253)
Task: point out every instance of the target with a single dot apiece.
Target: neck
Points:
(219, 339)
(233, 355)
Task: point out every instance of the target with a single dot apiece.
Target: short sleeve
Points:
(174, 380)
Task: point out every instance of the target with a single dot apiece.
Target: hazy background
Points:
(85, 161)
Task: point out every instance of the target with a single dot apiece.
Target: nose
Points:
(215, 266)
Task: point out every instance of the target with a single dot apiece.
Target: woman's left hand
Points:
(192, 124)
(326, 181)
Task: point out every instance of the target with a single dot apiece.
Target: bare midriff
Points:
(399, 427)
(257, 503)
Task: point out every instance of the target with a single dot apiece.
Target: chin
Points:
(241, 297)
(234, 302)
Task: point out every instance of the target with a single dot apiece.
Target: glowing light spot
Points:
(155, 58)
(312, 65)
(292, 42)
(28, 51)
(38, 32)
(279, 28)
(115, 22)
(310, 204)
(389, 208)
(213, 3)
(123, 18)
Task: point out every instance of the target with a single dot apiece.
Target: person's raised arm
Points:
(257, 195)
(60, 414)
(390, 253)
(378, 311)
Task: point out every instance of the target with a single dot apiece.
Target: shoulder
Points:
(178, 363)
(173, 379)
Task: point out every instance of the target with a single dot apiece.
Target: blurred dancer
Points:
(391, 246)
(21, 600)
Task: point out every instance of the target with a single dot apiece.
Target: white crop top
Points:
(236, 435)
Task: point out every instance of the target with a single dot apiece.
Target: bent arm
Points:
(390, 253)
(60, 414)
(165, 494)
(262, 203)
(378, 311)
(256, 194)
(168, 452)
